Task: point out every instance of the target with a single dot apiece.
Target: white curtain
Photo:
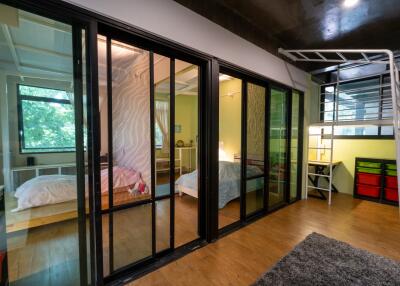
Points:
(162, 119)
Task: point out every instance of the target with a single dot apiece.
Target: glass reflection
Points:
(277, 147)
(255, 148)
(230, 130)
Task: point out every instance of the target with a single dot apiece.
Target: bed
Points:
(49, 199)
(53, 189)
(229, 182)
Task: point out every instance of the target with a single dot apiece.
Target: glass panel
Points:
(131, 235)
(85, 134)
(254, 195)
(130, 124)
(356, 131)
(163, 212)
(162, 124)
(294, 148)
(277, 147)
(328, 96)
(255, 147)
(186, 139)
(103, 118)
(230, 131)
(106, 243)
(387, 130)
(39, 223)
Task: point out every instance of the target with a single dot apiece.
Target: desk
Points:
(189, 150)
(179, 159)
(321, 168)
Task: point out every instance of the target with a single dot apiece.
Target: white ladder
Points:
(318, 135)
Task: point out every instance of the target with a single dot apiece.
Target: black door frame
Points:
(112, 33)
(246, 77)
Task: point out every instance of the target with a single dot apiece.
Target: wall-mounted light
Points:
(350, 3)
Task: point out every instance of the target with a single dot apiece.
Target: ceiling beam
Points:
(11, 46)
(54, 25)
(38, 68)
(38, 50)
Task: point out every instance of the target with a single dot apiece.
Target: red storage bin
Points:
(369, 179)
(391, 182)
(391, 194)
(367, 190)
(2, 256)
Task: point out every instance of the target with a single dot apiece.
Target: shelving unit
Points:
(376, 180)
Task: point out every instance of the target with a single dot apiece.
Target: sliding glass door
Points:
(242, 149)
(124, 108)
(149, 118)
(255, 153)
(278, 147)
(43, 149)
(230, 150)
(295, 145)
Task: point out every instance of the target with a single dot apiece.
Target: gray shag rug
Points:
(319, 260)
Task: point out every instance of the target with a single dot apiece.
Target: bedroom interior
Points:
(137, 149)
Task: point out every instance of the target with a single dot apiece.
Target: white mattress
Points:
(229, 181)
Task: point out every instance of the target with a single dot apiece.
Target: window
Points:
(46, 120)
(158, 136)
(366, 99)
(161, 124)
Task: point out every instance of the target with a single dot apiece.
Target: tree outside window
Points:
(46, 120)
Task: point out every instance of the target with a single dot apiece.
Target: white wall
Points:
(175, 22)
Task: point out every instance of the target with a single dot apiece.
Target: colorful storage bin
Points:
(369, 164)
(368, 191)
(368, 170)
(391, 172)
(391, 166)
(368, 179)
(391, 194)
(391, 182)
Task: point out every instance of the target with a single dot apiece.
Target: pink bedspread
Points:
(123, 177)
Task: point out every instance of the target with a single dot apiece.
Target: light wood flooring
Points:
(39, 254)
(242, 256)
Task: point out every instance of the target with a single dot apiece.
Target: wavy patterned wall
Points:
(255, 121)
(131, 113)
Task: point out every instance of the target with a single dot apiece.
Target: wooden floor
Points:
(39, 253)
(241, 257)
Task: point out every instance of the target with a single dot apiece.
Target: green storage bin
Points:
(368, 170)
(391, 166)
(369, 164)
(391, 172)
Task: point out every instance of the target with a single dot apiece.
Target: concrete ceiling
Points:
(306, 24)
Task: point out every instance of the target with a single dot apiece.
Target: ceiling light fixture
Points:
(350, 3)
(223, 77)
